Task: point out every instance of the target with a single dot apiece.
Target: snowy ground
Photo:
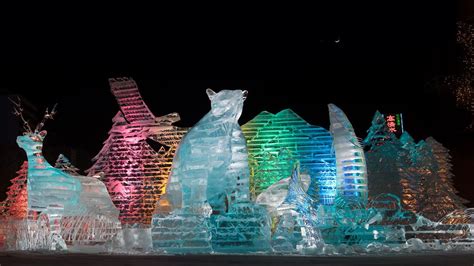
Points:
(7, 259)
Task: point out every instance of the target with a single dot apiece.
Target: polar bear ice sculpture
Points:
(210, 175)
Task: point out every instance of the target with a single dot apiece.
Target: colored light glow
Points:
(394, 123)
(134, 173)
(274, 139)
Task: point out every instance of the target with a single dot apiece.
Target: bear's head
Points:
(227, 103)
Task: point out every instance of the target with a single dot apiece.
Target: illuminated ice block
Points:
(385, 157)
(210, 175)
(77, 209)
(134, 172)
(296, 229)
(16, 203)
(268, 134)
(437, 197)
(350, 159)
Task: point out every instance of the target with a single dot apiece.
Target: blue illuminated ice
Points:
(350, 160)
(206, 206)
(77, 209)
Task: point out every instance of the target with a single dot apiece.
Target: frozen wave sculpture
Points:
(351, 169)
(208, 192)
(69, 209)
(268, 134)
(134, 173)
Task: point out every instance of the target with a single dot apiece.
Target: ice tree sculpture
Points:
(385, 157)
(412, 176)
(16, 203)
(408, 142)
(439, 195)
(269, 133)
(133, 172)
(58, 196)
(350, 160)
(210, 175)
(64, 164)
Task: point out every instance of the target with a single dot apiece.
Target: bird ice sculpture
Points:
(210, 175)
(78, 209)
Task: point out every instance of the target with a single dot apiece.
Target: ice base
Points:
(245, 228)
(181, 233)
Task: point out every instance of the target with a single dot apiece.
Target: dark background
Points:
(363, 58)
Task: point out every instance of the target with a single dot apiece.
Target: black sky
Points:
(362, 58)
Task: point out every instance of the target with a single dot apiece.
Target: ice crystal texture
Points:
(208, 191)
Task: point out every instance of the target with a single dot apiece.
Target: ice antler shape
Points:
(18, 111)
(47, 115)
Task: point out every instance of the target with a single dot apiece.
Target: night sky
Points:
(362, 58)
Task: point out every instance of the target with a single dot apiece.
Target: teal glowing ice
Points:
(208, 190)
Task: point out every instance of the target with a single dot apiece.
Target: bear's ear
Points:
(210, 94)
(244, 94)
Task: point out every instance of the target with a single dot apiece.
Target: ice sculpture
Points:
(438, 197)
(412, 179)
(16, 203)
(350, 160)
(74, 209)
(385, 157)
(64, 164)
(134, 173)
(210, 175)
(296, 229)
(268, 168)
(311, 145)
